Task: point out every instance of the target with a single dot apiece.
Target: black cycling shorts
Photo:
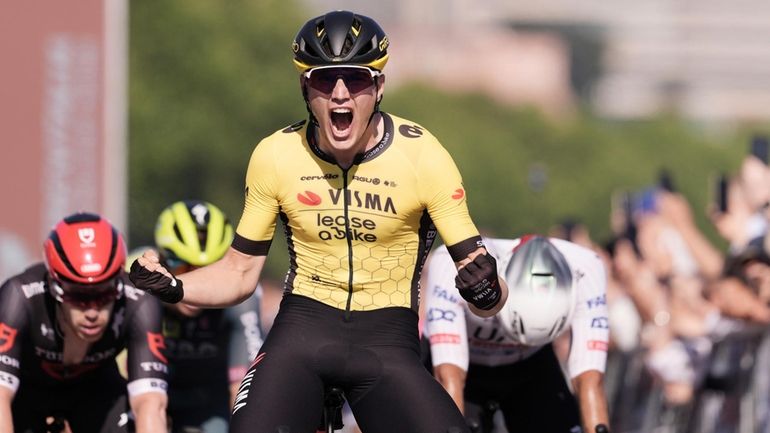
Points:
(97, 404)
(374, 356)
(532, 394)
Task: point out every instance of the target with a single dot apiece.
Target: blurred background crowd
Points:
(635, 128)
(688, 319)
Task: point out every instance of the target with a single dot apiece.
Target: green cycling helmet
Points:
(192, 232)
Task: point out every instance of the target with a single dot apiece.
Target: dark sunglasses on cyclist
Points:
(177, 266)
(172, 263)
(88, 300)
(87, 295)
(356, 78)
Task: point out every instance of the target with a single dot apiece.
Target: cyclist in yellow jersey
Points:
(361, 194)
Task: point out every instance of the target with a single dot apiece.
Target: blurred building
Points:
(706, 59)
(63, 111)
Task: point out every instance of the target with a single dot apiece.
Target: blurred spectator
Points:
(691, 298)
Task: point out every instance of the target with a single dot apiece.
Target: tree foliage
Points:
(208, 80)
(525, 173)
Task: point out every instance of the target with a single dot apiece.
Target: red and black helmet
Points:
(84, 248)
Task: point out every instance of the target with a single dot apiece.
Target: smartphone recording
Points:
(720, 190)
(759, 145)
(665, 182)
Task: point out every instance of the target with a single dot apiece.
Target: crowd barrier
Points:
(732, 397)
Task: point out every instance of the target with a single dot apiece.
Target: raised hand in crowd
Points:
(733, 225)
(675, 209)
(736, 300)
(754, 181)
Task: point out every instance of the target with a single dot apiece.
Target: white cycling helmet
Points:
(541, 296)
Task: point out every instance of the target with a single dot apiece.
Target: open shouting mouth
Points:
(341, 120)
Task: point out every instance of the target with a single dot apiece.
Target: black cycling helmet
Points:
(339, 38)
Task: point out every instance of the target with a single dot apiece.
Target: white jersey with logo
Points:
(459, 337)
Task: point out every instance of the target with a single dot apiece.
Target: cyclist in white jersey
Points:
(508, 359)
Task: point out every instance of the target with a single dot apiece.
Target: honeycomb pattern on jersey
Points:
(382, 277)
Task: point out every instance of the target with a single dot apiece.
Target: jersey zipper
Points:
(349, 241)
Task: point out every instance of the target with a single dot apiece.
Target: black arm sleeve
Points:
(147, 363)
(13, 329)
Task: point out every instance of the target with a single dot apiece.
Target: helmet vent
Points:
(113, 250)
(311, 51)
(327, 47)
(356, 26)
(82, 217)
(177, 232)
(368, 46)
(346, 45)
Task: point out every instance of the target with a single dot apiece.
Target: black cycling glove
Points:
(478, 284)
(164, 288)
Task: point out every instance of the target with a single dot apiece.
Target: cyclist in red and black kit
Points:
(362, 195)
(62, 323)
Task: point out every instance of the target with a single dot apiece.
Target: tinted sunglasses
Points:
(88, 295)
(356, 78)
(89, 300)
(177, 266)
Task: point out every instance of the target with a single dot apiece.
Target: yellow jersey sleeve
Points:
(257, 225)
(442, 192)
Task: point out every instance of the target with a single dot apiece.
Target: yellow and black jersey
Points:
(357, 238)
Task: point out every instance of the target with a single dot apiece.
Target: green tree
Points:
(207, 81)
(525, 173)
